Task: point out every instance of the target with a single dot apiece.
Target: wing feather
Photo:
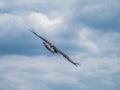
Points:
(41, 37)
(56, 50)
(67, 57)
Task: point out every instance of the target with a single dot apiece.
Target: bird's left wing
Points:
(67, 57)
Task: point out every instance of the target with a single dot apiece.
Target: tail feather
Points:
(76, 64)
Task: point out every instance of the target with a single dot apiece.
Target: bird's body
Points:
(49, 47)
(53, 49)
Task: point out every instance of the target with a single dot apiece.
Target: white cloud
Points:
(109, 42)
(89, 45)
(1, 5)
(85, 40)
(26, 72)
(39, 19)
(64, 79)
(20, 70)
(45, 72)
(100, 8)
(99, 42)
(20, 23)
(102, 65)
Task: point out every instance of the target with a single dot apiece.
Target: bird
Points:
(53, 49)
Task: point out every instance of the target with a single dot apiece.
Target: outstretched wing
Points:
(68, 58)
(40, 37)
(56, 50)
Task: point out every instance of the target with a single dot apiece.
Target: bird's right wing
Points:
(68, 58)
(40, 37)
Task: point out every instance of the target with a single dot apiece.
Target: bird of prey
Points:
(53, 49)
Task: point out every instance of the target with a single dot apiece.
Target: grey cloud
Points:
(42, 72)
(109, 42)
(96, 42)
(101, 15)
(52, 7)
(15, 36)
(20, 41)
(95, 14)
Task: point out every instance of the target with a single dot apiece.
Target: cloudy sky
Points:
(87, 30)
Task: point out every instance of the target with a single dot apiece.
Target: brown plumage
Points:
(53, 49)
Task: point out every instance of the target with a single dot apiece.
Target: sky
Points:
(86, 30)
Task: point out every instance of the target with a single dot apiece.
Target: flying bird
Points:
(53, 49)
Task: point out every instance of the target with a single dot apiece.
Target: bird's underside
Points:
(53, 49)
